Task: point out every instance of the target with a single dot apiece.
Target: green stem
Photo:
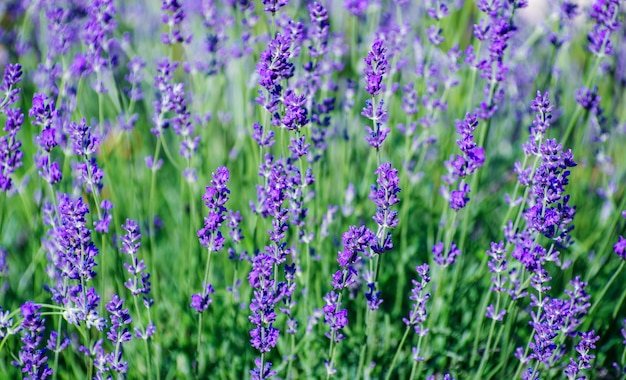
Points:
(293, 342)
(397, 354)
(606, 288)
(483, 361)
(56, 348)
(145, 341)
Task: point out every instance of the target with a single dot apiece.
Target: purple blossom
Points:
(84, 141)
(385, 194)
(335, 317)
(273, 67)
(318, 34)
(10, 153)
(376, 66)
(419, 296)
(356, 7)
(296, 115)
(263, 139)
(606, 15)
(102, 225)
(215, 197)
(258, 373)
(71, 254)
(31, 357)
(139, 282)
(12, 76)
(264, 336)
(273, 6)
(445, 258)
(173, 17)
(96, 34)
(201, 301)
(357, 240)
(89, 175)
(589, 99)
(134, 78)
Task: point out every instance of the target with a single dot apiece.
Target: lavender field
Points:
(358, 189)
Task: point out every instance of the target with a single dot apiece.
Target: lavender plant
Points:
(427, 189)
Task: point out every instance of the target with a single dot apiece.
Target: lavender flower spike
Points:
(377, 65)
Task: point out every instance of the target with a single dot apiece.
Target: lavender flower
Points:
(95, 35)
(273, 67)
(118, 334)
(134, 78)
(273, 6)
(445, 258)
(139, 282)
(356, 7)
(32, 358)
(10, 153)
(210, 236)
(460, 166)
(418, 314)
(586, 344)
(46, 116)
(296, 115)
(319, 33)
(376, 66)
(264, 336)
(173, 17)
(384, 195)
(606, 15)
(102, 225)
(72, 254)
(498, 266)
(215, 197)
(12, 76)
(263, 139)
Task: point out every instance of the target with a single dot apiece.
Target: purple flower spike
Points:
(419, 296)
(32, 358)
(201, 302)
(215, 198)
(376, 67)
(606, 15)
(10, 153)
(445, 258)
(263, 139)
(173, 17)
(273, 6)
(12, 76)
(355, 241)
(385, 194)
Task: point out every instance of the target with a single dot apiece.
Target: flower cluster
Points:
(210, 236)
(264, 336)
(173, 17)
(461, 166)
(46, 116)
(139, 282)
(118, 334)
(32, 358)
(10, 153)
(72, 256)
(498, 267)
(606, 15)
(496, 32)
(418, 314)
(273, 67)
(96, 35)
(273, 6)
